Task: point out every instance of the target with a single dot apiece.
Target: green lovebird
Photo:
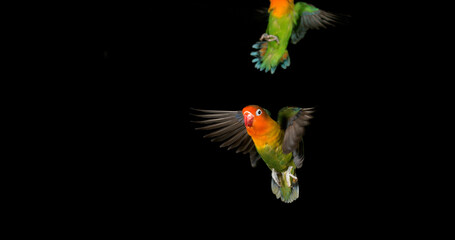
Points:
(252, 131)
(287, 21)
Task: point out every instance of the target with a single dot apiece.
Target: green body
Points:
(282, 26)
(274, 158)
(272, 154)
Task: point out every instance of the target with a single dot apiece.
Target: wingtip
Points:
(309, 110)
(192, 109)
(210, 111)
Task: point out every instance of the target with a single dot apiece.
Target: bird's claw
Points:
(269, 38)
(288, 176)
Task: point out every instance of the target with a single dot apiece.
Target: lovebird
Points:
(253, 131)
(287, 21)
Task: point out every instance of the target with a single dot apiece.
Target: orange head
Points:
(256, 119)
(281, 7)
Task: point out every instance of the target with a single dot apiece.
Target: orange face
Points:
(280, 7)
(255, 118)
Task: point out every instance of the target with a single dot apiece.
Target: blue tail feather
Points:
(286, 63)
(257, 45)
(273, 70)
(258, 58)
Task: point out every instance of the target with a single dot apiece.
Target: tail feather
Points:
(287, 194)
(286, 61)
(276, 189)
(267, 61)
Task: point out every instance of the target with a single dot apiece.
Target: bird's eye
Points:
(258, 112)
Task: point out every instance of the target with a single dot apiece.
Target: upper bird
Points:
(287, 21)
(252, 130)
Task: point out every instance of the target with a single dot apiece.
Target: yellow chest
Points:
(271, 139)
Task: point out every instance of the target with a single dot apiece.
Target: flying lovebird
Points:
(287, 21)
(253, 131)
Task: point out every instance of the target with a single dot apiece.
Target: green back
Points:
(302, 7)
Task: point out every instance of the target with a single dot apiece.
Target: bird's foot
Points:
(288, 176)
(269, 38)
(275, 177)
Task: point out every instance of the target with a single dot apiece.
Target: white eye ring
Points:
(258, 112)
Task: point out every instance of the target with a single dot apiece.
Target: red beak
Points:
(248, 119)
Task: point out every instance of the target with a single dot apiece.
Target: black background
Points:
(160, 59)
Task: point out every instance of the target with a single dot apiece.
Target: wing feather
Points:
(318, 19)
(228, 128)
(224, 130)
(233, 140)
(296, 129)
(310, 17)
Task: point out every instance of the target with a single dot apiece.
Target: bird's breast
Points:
(273, 138)
(274, 157)
(270, 149)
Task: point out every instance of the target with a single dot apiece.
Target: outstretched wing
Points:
(310, 17)
(293, 121)
(228, 128)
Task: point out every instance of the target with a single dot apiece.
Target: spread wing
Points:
(310, 17)
(294, 120)
(228, 128)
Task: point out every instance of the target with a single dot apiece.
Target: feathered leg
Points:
(288, 176)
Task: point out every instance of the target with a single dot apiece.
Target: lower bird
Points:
(252, 131)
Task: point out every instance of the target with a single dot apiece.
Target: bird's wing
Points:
(293, 121)
(310, 17)
(228, 128)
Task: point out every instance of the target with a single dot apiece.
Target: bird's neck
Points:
(278, 8)
(267, 134)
